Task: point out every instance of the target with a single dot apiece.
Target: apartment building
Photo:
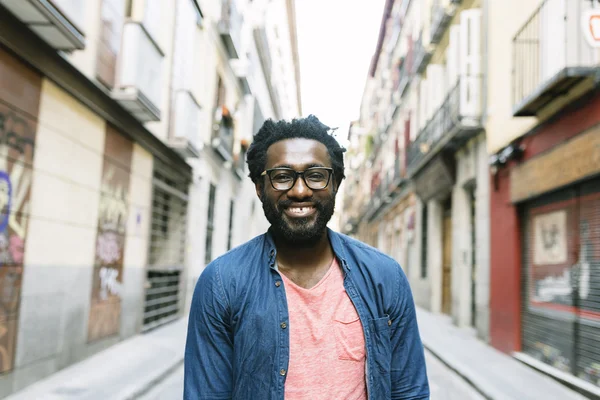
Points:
(492, 118)
(250, 74)
(429, 194)
(125, 125)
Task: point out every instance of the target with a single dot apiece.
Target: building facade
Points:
(545, 195)
(474, 164)
(422, 110)
(124, 126)
(250, 74)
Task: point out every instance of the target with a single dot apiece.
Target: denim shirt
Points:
(238, 345)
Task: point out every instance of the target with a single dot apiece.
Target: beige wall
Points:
(503, 23)
(66, 182)
(85, 60)
(140, 204)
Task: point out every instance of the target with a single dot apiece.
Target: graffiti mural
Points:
(105, 312)
(20, 90)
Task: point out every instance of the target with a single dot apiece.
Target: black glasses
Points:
(316, 178)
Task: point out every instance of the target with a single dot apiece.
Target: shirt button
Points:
(283, 325)
(278, 283)
(389, 322)
(282, 372)
(272, 253)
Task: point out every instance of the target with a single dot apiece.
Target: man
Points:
(302, 312)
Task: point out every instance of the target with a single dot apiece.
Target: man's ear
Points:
(336, 186)
(259, 191)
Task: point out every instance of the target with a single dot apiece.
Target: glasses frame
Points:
(267, 172)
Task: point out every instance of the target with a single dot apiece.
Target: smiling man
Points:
(302, 312)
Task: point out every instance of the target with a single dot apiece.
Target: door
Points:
(447, 263)
(473, 258)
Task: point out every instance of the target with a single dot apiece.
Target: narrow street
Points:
(445, 384)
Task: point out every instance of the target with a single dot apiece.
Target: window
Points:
(231, 205)
(424, 242)
(209, 224)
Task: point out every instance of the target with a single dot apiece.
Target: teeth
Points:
(299, 210)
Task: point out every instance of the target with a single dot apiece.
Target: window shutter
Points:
(453, 56)
(470, 63)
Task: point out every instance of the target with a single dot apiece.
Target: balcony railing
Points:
(552, 54)
(140, 82)
(406, 71)
(440, 19)
(422, 55)
(229, 27)
(457, 119)
(55, 21)
(185, 136)
(222, 140)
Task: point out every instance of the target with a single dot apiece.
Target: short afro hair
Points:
(307, 128)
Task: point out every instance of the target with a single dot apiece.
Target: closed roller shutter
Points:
(561, 280)
(166, 258)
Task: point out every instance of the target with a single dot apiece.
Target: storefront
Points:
(545, 236)
(561, 279)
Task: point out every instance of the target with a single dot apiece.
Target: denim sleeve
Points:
(209, 345)
(408, 372)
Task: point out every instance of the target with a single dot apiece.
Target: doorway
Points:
(447, 258)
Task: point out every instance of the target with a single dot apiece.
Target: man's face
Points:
(298, 215)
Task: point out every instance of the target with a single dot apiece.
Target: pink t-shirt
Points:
(327, 345)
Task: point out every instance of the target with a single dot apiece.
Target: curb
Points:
(146, 386)
(477, 388)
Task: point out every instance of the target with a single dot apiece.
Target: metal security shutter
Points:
(166, 251)
(588, 338)
(561, 280)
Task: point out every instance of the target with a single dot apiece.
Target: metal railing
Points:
(440, 19)
(406, 71)
(551, 41)
(421, 54)
(447, 120)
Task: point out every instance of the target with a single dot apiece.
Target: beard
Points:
(303, 232)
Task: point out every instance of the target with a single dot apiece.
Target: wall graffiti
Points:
(20, 90)
(105, 312)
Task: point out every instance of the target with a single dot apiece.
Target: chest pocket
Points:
(349, 336)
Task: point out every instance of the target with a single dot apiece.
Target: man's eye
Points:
(316, 176)
(282, 177)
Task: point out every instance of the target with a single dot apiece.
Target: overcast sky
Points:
(336, 40)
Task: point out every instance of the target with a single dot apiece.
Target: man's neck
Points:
(291, 256)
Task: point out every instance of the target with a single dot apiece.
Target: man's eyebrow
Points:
(312, 165)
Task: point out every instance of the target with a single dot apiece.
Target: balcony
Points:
(553, 54)
(222, 141)
(406, 70)
(229, 27)
(242, 70)
(441, 16)
(185, 137)
(239, 162)
(422, 56)
(139, 87)
(457, 120)
(55, 21)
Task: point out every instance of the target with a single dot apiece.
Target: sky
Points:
(336, 40)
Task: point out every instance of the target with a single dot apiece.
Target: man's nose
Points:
(300, 190)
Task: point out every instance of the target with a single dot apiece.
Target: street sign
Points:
(590, 23)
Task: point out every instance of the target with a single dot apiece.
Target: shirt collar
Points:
(336, 240)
